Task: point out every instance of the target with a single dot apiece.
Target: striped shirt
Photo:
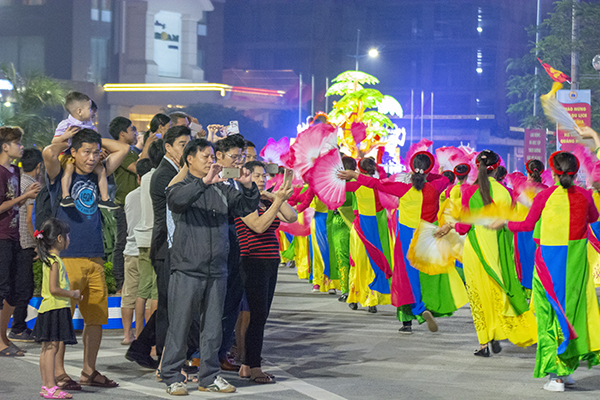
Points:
(258, 245)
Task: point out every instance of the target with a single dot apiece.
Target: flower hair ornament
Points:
(38, 234)
(556, 170)
(529, 169)
(484, 157)
(419, 170)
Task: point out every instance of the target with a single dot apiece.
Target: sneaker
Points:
(332, 291)
(343, 298)
(316, 288)
(406, 330)
(372, 309)
(107, 204)
(219, 385)
(177, 389)
(67, 202)
(569, 381)
(431, 324)
(24, 336)
(554, 386)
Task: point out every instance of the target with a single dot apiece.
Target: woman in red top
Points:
(259, 250)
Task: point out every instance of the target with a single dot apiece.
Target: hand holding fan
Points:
(432, 255)
(322, 178)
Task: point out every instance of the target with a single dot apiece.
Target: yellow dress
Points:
(318, 258)
(493, 315)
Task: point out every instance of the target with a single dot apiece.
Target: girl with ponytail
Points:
(525, 242)
(566, 306)
(418, 201)
(499, 307)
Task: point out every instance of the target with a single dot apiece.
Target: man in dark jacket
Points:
(200, 204)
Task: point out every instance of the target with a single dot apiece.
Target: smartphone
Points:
(195, 127)
(272, 169)
(289, 176)
(228, 173)
(158, 135)
(233, 128)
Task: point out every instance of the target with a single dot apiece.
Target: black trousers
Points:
(23, 289)
(118, 258)
(260, 278)
(9, 270)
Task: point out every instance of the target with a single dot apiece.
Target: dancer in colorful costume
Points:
(566, 305)
(526, 242)
(498, 303)
(417, 295)
(369, 245)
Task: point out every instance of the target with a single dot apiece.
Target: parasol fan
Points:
(447, 156)
(432, 255)
(274, 150)
(300, 227)
(558, 114)
(322, 178)
(310, 144)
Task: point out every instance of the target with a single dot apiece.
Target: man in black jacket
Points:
(200, 204)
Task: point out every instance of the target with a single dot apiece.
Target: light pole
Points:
(373, 53)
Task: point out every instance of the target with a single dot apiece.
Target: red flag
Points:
(556, 75)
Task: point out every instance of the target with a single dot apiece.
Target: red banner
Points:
(535, 145)
(578, 105)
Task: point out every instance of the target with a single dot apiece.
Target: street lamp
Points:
(373, 53)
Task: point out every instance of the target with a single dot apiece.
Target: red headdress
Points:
(431, 163)
(556, 170)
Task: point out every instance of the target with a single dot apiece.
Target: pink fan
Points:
(587, 161)
(422, 145)
(310, 144)
(273, 151)
(322, 178)
(275, 181)
(297, 228)
(389, 201)
(547, 178)
(446, 156)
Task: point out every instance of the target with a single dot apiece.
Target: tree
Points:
(34, 104)
(555, 48)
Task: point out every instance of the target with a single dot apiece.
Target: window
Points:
(25, 52)
(98, 71)
(106, 14)
(95, 11)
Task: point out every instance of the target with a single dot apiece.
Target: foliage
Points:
(109, 233)
(555, 48)
(111, 284)
(208, 114)
(35, 105)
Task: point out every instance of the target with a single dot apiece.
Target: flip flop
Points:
(90, 380)
(12, 351)
(263, 380)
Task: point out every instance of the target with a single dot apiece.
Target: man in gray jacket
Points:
(200, 204)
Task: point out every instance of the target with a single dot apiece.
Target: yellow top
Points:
(49, 301)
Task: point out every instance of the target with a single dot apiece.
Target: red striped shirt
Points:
(258, 245)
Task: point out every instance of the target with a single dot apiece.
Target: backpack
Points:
(43, 208)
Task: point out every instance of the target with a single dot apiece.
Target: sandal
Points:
(55, 393)
(157, 374)
(262, 380)
(12, 351)
(14, 346)
(65, 382)
(90, 380)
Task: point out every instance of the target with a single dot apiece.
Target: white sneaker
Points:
(219, 385)
(569, 381)
(554, 386)
(177, 389)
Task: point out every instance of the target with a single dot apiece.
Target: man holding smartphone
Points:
(229, 154)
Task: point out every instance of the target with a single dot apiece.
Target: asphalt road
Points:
(320, 349)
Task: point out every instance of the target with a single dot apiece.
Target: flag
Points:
(556, 75)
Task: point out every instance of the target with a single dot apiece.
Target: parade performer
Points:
(525, 242)
(568, 317)
(418, 295)
(498, 303)
(369, 245)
